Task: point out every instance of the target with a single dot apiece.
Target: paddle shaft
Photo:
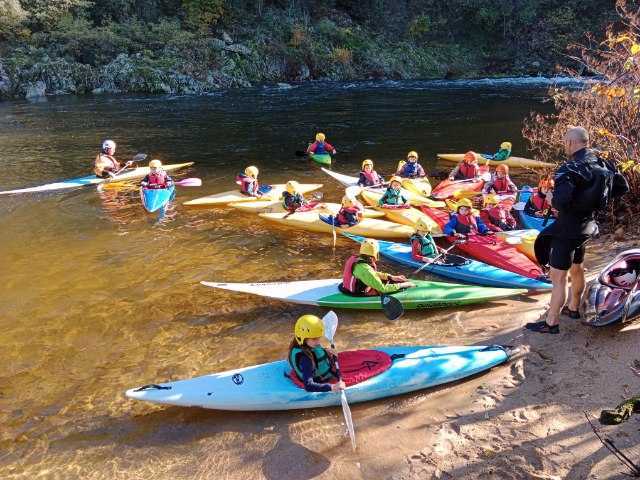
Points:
(441, 254)
(346, 411)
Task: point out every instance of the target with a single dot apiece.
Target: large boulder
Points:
(36, 89)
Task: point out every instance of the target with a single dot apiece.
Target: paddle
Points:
(486, 176)
(317, 196)
(391, 306)
(188, 182)
(330, 322)
(441, 254)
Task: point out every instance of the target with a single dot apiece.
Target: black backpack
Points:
(606, 184)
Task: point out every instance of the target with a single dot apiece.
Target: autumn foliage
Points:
(608, 106)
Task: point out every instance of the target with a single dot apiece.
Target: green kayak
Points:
(322, 159)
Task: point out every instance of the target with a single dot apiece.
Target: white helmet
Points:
(108, 144)
(623, 277)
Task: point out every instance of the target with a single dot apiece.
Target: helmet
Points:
(505, 145)
(366, 162)
(395, 178)
(292, 186)
(465, 202)
(370, 247)
(623, 277)
(412, 153)
(422, 225)
(503, 168)
(489, 200)
(470, 157)
(308, 326)
(252, 171)
(155, 164)
(320, 137)
(347, 201)
(108, 144)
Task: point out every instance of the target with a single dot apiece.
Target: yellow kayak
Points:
(275, 206)
(233, 196)
(417, 186)
(523, 240)
(368, 227)
(404, 216)
(515, 162)
(413, 198)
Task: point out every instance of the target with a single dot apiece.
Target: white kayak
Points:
(234, 196)
(135, 173)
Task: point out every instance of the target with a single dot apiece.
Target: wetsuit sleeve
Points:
(367, 275)
(362, 181)
(421, 172)
(455, 171)
(563, 192)
(482, 228)
(312, 147)
(329, 147)
(306, 367)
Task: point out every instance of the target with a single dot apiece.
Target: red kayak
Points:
(491, 250)
(448, 188)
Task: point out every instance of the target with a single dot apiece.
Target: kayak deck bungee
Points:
(367, 227)
(470, 271)
(267, 387)
(156, 198)
(529, 221)
(275, 206)
(135, 173)
(234, 196)
(322, 158)
(491, 250)
(325, 293)
(515, 162)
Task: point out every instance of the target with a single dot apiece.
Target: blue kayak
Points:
(156, 198)
(470, 271)
(528, 221)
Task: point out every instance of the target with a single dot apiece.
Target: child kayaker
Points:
(495, 216)
(501, 183)
(368, 176)
(464, 222)
(411, 168)
(467, 169)
(248, 182)
(350, 213)
(292, 199)
(312, 363)
(320, 146)
(423, 247)
(503, 152)
(538, 204)
(361, 275)
(157, 177)
(393, 194)
(106, 164)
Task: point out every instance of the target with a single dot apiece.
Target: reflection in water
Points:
(99, 296)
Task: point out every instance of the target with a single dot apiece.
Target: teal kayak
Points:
(322, 159)
(156, 198)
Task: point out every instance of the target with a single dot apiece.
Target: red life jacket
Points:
(539, 202)
(350, 283)
(501, 185)
(248, 185)
(468, 170)
(371, 178)
(348, 216)
(497, 214)
(466, 224)
(157, 179)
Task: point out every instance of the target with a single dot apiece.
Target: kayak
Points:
(346, 180)
(529, 221)
(515, 162)
(234, 196)
(457, 188)
(396, 370)
(156, 198)
(418, 186)
(405, 216)
(275, 206)
(492, 250)
(367, 227)
(470, 271)
(325, 293)
(135, 173)
(322, 159)
(523, 240)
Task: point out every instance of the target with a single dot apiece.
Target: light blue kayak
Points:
(529, 221)
(471, 271)
(266, 386)
(156, 198)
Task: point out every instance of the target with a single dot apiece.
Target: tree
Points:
(202, 14)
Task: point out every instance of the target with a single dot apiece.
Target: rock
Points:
(283, 86)
(535, 64)
(618, 235)
(303, 72)
(237, 48)
(227, 38)
(97, 91)
(35, 90)
(5, 82)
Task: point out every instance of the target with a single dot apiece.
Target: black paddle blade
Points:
(392, 307)
(300, 153)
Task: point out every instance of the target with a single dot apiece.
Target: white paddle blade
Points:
(330, 323)
(348, 419)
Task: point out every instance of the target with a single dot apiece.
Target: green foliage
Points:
(44, 14)
(201, 15)
(419, 26)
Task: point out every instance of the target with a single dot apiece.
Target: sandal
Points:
(542, 327)
(567, 312)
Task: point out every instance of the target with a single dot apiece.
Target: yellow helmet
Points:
(465, 202)
(320, 137)
(505, 145)
(155, 164)
(370, 247)
(490, 200)
(308, 326)
(395, 178)
(423, 226)
(347, 201)
(292, 186)
(252, 171)
(366, 162)
(412, 153)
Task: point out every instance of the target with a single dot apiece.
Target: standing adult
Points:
(584, 184)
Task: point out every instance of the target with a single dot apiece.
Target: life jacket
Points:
(501, 185)
(319, 148)
(427, 247)
(466, 224)
(248, 185)
(114, 167)
(348, 216)
(157, 179)
(539, 202)
(392, 197)
(352, 284)
(370, 178)
(496, 215)
(467, 170)
(321, 362)
(410, 170)
(292, 202)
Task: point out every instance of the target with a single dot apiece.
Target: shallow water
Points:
(99, 297)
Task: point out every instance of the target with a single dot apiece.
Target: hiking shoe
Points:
(567, 312)
(542, 327)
